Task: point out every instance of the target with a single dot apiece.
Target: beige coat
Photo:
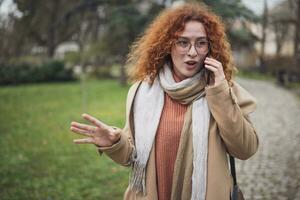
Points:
(230, 131)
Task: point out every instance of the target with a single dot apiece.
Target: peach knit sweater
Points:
(166, 145)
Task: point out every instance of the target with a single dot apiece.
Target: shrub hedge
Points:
(52, 71)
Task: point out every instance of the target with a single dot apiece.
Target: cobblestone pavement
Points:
(274, 171)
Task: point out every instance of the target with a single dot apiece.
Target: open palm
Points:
(99, 133)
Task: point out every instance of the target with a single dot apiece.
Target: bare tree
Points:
(46, 23)
(263, 38)
(297, 35)
(280, 29)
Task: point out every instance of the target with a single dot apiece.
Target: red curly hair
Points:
(149, 53)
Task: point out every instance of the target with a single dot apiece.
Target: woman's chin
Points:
(191, 70)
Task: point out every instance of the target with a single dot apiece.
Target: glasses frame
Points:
(190, 46)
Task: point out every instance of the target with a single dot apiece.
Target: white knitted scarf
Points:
(148, 106)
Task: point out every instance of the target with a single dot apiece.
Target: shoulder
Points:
(133, 88)
(131, 94)
(243, 98)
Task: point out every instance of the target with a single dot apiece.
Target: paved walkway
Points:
(273, 173)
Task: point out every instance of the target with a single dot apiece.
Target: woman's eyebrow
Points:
(201, 37)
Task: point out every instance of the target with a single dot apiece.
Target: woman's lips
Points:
(191, 65)
(191, 62)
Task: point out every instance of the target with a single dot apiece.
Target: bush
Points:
(51, 71)
(285, 69)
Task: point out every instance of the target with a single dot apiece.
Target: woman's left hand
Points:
(217, 68)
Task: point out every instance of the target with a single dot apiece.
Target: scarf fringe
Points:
(137, 179)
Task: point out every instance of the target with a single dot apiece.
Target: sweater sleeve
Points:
(121, 151)
(230, 107)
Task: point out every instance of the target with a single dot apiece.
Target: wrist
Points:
(115, 135)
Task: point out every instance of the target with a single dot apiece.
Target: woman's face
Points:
(189, 51)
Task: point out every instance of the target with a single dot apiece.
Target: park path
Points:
(273, 173)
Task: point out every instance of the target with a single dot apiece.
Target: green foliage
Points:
(255, 75)
(241, 38)
(72, 58)
(29, 73)
(231, 9)
(46, 23)
(38, 159)
(125, 24)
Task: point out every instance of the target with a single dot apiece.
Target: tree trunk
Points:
(51, 39)
(50, 48)
(297, 36)
(263, 39)
(280, 32)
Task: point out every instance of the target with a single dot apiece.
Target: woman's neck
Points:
(176, 77)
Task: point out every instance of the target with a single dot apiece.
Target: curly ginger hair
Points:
(149, 53)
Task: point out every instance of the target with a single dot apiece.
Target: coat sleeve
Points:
(230, 107)
(121, 151)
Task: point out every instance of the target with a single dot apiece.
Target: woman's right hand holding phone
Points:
(215, 69)
(98, 134)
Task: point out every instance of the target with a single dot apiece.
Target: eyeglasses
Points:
(183, 46)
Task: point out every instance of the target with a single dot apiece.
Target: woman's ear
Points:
(168, 60)
(208, 53)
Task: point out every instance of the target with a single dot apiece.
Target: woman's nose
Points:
(192, 51)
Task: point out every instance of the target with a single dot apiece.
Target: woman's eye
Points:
(201, 43)
(183, 43)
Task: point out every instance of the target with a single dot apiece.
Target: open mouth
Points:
(191, 62)
(191, 65)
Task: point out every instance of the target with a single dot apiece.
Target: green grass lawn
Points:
(38, 159)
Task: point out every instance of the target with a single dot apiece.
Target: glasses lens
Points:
(182, 46)
(202, 46)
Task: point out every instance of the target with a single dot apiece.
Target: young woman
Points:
(185, 113)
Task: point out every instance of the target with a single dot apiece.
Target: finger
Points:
(212, 59)
(211, 68)
(80, 131)
(213, 63)
(94, 120)
(84, 141)
(90, 129)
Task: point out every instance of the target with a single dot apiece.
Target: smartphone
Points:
(208, 72)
